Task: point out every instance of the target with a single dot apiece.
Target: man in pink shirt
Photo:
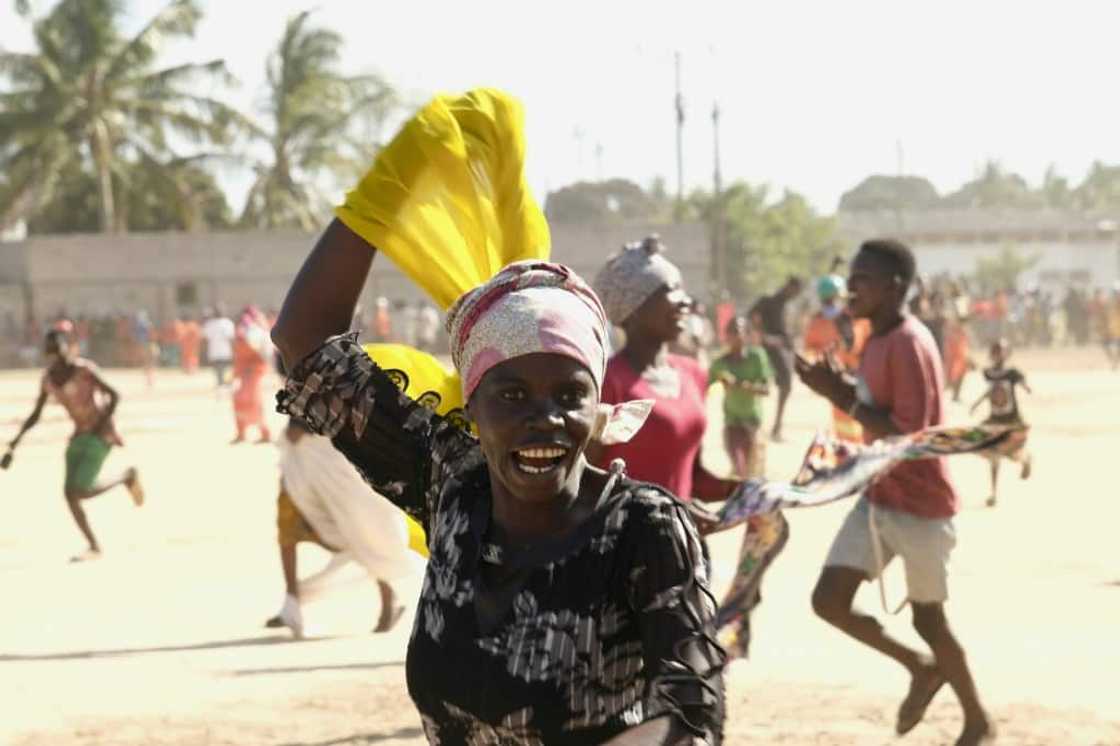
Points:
(898, 390)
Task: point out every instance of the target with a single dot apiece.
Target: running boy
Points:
(1004, 410)
(77, 385)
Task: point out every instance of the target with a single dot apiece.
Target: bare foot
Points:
(991, 501)
(132, 482)
(238, 439)
(87, 556)
(978, 733)
(1026, 473)
(924, 685)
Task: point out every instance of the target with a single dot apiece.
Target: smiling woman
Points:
(562, 604)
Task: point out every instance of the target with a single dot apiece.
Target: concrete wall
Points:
(93, 274)
(1087, 264)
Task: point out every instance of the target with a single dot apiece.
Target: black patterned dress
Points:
(603, 630)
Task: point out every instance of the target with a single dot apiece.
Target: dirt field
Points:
(160, 642)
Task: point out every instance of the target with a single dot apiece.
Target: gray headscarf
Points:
(633, 275)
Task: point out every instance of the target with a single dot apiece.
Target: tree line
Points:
(97, 134)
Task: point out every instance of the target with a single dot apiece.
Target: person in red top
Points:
(643, 293)
(909, 511)
(77, 385)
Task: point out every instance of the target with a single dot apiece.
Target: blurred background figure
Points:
(252, 360)
(832, 331)
(219, 331)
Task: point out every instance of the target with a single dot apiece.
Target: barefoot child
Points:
(745, 373)
(77, 385)
(1004, 410)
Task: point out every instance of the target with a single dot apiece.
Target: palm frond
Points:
(177, 18)
(188, 74)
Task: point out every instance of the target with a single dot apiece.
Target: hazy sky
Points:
(814, 95)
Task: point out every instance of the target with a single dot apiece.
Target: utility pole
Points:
(680, 128)
(718, 256)
(599, 161)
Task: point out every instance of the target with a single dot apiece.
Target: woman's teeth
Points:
(539, 460)
(541, 452)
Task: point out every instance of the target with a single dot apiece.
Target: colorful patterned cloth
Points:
(633, 275)
(763, 540)
(832, 470)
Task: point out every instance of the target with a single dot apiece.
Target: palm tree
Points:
(320, 123)
(90, 95)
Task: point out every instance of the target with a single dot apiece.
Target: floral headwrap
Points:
(536, 306)
(631, 276)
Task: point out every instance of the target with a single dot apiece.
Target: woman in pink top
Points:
(643, 293)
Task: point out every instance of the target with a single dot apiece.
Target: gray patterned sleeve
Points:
(338, 391)
(668, 590)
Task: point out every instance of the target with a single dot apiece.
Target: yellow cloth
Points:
(417, 541)
(447, 200)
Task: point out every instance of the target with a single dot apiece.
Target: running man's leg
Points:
(851, 561)
(783, 379)
(925, 546)
(930, 622)
(85, 455)
(291, 528)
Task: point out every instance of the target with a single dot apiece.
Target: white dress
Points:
(344, 510)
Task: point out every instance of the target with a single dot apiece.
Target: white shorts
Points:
(924, 544)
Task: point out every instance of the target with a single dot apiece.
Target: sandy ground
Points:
(160, 642)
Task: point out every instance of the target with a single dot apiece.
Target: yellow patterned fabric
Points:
(425, 381)
(447, 199)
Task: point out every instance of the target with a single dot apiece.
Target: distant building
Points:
(1072, 247)
(168, 273)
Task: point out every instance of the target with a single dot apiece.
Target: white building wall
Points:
(1092, 264)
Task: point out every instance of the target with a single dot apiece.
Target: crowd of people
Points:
(190, 339)
(554, 476)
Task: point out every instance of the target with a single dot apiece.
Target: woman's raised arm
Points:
(322, 298)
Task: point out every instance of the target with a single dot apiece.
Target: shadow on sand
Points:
(309, 669)
(361, 739)
(92, 654)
